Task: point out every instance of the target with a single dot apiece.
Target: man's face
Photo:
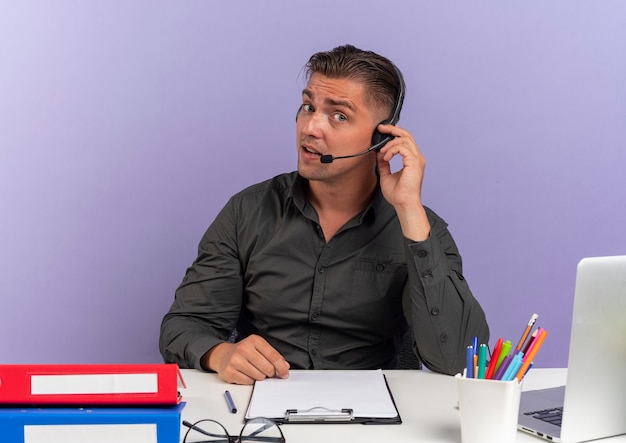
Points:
(335, 119)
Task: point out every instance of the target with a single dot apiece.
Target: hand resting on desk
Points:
(253, 358)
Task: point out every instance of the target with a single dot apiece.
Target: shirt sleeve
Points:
(208, 301)
(438, 303)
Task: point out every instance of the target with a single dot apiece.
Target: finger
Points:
(396, 131)
(272, 363)
(237, 377)
(256, 358)
(401, 136)
(235, 368)
(281, 367)
(384, 167)
(405, 147)
(393, 148)
(242, 368)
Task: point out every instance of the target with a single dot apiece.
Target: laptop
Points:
(593, 401)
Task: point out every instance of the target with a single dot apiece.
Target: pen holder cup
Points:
(489, 409)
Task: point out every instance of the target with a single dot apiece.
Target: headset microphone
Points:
(329, 158)
(378, 139)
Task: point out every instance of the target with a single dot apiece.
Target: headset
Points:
(378, 139)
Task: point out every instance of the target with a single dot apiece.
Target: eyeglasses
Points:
(255, 430)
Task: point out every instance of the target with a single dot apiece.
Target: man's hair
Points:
(376, 72)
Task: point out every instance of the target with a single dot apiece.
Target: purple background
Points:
(126, 125)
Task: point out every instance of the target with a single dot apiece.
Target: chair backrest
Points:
(407, 358)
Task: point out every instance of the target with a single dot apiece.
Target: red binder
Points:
(110, 384)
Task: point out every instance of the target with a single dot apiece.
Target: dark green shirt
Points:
(264, 267)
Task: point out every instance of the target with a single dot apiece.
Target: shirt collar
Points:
(298, 192)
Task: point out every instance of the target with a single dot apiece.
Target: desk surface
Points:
(426, 402)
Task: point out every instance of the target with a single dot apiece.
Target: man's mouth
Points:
(311, 151)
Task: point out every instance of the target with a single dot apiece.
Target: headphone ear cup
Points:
(378, 137)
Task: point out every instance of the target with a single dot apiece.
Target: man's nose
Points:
(313, 124)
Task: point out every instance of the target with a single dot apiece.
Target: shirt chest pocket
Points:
(378, 280)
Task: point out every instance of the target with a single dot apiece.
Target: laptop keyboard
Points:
(552, 416)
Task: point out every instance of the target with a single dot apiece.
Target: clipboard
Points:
(326, 396)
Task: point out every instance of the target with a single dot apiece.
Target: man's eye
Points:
(307, 108)
(340, 117)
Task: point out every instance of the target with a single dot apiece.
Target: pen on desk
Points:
(531, 322)
(494, 359)
(231, 403)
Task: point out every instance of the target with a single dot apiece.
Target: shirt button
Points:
(422, 253)
(443, 338)
(427, 273)
(321, 269)
(434, 311)
(380, 267)
(313, 352)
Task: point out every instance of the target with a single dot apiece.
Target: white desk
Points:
(426, 402)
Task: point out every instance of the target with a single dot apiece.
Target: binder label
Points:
(94, 384)
(129, 433)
